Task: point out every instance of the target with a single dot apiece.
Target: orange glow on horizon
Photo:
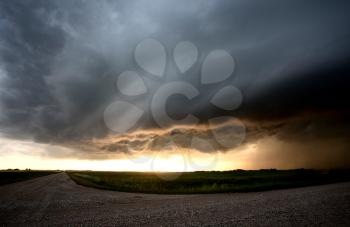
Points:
(27, 154)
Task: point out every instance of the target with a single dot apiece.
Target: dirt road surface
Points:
(55, 200)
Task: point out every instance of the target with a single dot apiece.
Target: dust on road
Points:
(57, 200)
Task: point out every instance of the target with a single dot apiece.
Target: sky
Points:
(174, 85)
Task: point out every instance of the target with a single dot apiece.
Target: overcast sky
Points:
(59, 62)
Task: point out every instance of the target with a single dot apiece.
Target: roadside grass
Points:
(207, 182)
(12, 176)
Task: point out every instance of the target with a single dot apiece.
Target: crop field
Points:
(12, 176)
(207, 182)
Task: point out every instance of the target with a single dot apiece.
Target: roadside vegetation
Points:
(207, 182)
(12, 176)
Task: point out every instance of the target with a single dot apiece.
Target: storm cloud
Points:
(59, 61)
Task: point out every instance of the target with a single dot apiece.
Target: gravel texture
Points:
(56, 200)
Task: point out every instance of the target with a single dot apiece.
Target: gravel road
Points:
(57, 200)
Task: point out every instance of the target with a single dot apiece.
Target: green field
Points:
(208, 182)
(12, 176)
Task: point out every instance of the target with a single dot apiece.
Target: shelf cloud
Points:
(60, 60)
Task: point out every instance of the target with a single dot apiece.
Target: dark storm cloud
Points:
(28, 47)
(312, 141)
(59, 61)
